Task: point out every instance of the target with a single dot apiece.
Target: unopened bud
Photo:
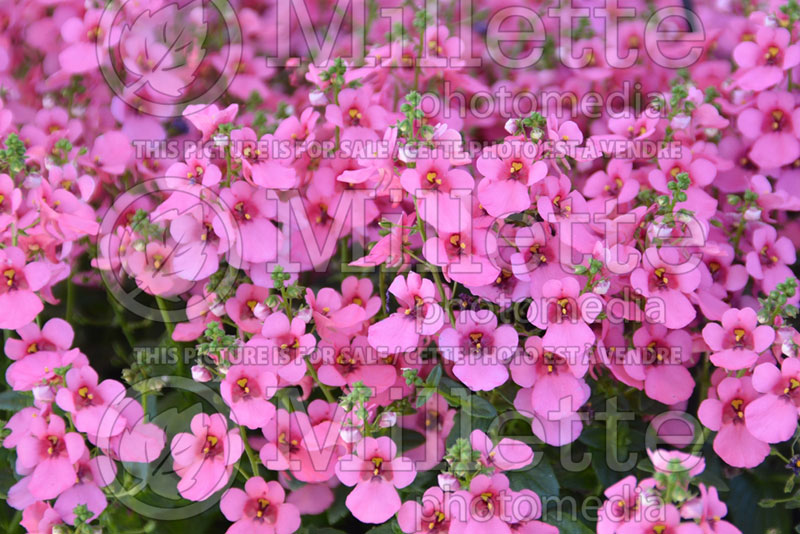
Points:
(200, 373)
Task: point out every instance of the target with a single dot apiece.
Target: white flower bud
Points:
(317, 98)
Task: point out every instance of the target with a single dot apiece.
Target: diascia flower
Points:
(479, 349)
(18, 283)
(259, 509)
(204, 459)
(49, 454)
(376, 472)
(727, 414)
(738, 342)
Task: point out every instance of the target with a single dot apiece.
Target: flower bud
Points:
(200, 373)
(387, 419)
(448, 482)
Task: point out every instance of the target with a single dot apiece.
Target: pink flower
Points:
(773, 416)
(287, 346)
(208, 118)
(247, 390)
(668, 522)
(358, 291)
(204, 459)
(489, 505)
(727, 414)
(626, 502)
(762, 62)
(658, 360)
(566, 315)
(345, 362)
(91, 404)
(665, 276)
(774, 126)
(55, 335)
(554, 376)
(508, 455)
(49, 454)
(377, 473)
(242, 306)
(479, 349)
(259, 509)
(355, 109)
(464, 255)
(431, 516)
(434, 420)
(18, 281)
(507, 177)
(294, 444)
(669, 462)
(260, 239)
(770, 257)
(90, 476)
(418, 315)
(710, 511)
(738, 342)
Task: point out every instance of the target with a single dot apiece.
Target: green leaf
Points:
(567, 525)
(14, 401)
(479, 407)
(541, 479)
(435, 376)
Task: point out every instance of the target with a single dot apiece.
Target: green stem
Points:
(162, 306)
(249, 450)
(325, 389)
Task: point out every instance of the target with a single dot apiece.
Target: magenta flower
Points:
(294, 444)
(287, 345)
(762, 62)
(418, 315)
(665, 276)
(770, 258)
(204, 459)
(565, 314)
(18, 282)
(479, 349)
(709, 510)
(465, 255)
(431, 516)
(738, 342)
(259, 509)
(668, 522)
(377, 473)
(91, 404)
(669, 462)
(658, 360)
(90, 476)
(507, 455)
(247, 389)
(727, 415)
(49, 453)
(554, 376)
(507, 177)
(345, 362)
(56, 335)
(489, 506)
(774, 126)
(773, 416)
(626, 501)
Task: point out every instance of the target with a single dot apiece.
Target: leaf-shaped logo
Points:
(163, 49)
